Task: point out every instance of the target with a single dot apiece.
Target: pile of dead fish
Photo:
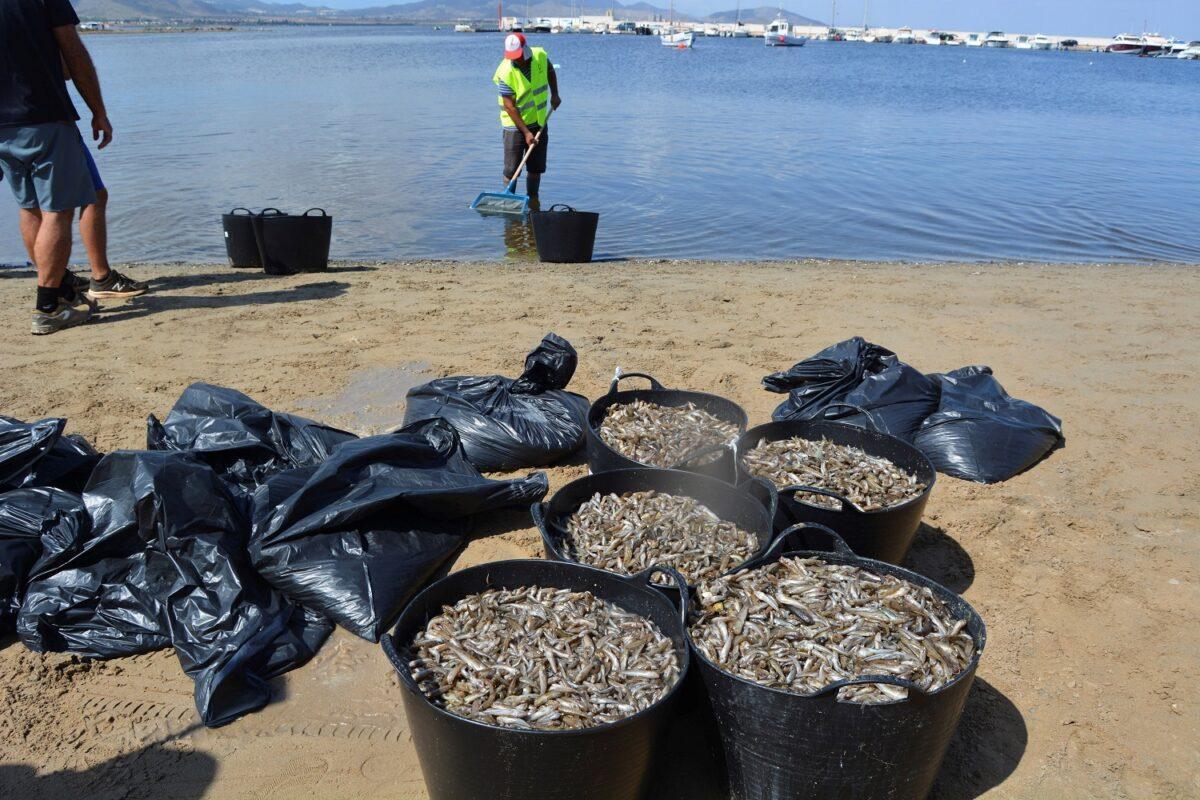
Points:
(628, 533)
(542, 658)
(869, 482)
(800, 624)
(664, 436)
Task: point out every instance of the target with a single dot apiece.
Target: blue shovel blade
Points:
(501, 203)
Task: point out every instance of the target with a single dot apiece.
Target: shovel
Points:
(508, 201)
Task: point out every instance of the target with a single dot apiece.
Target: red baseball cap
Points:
(515, 47)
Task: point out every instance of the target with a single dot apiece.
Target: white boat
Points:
(854, 35)
(905, 36)
(672, 38)
(877, 38)
(712, 30)
(1023, 42)
(1041, 42)
(1190, 52)
(1155, 45)
(974, 40)
(463, 27)
(779, 34)
(1126, 44)
(740, 31)
(996, 39)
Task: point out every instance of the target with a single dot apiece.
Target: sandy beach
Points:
(1084, 568)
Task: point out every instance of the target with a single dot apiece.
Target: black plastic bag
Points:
(242, 440)
(158, 557)
(39, 454)
(981, 434)
(356, 536)
(856, 373)
(24, 513)
(508, 424)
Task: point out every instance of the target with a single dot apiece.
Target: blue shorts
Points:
(47, 166)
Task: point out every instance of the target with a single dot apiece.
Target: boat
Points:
(675, 37)
(1190, 52)
(854, 35)
(996, 39)
(463, 27)
(834, 35)
(1023, 42)
(1154, 44)
(974, 40)
(1126, 44)
(779, 34)
(1041, 42)
(905, 36)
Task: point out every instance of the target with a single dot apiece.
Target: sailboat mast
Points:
(833, 16)
(865, 16)
(739, 13)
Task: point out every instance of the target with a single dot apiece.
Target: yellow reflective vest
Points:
(532, 94)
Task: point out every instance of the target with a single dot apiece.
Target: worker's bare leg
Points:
(93, 229)
(52, 246)
(31, 220)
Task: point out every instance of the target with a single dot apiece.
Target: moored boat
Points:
(904, 36)
(1126, 44)
(779, 34)
(996, 39)
(974, 40)
(1041, 42)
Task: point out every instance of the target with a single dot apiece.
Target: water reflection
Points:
(519, 244)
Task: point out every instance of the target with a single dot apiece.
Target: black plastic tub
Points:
(240, 244)
(292, 243)
(601, 457)
(886, 533)
(462, 759)
(780, 745)
(564, 235)
(750, 506)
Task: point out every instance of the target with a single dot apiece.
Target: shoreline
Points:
(1077, 565)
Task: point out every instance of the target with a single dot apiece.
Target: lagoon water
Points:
(732, 150)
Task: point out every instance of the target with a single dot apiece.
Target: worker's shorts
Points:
(514, 151)
(46, 166)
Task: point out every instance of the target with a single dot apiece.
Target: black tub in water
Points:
(240, 244)
(783, 746)
(564, 235)
(886, 533)
(601, 457)
(750, 506)
(462, 759)
(292, 243)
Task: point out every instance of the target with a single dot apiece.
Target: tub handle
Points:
(620, 376)
(847, 506)
(701, 451)
(274, 212)
(323, 214)
(764, 492)
(871, 423)
(234, 211)
(538, 512)
(915, 693)
(776, 549)
(643, 579)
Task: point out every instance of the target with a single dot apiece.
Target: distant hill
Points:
(761, 14)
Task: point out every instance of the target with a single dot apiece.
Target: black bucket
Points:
(601, 457)
(885, 534)
(565, 236)
(783, 745)
(462, 759)
(751, 506)
(240, 244)
(292, 243)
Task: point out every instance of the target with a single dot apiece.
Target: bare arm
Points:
(510, 106)
(83, 72)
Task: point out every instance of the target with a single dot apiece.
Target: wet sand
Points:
(1084, 568)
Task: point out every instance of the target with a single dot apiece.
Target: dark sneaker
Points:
(65, 316)
(116, 285)
(78, 288)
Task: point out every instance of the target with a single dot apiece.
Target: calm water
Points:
(733, 150)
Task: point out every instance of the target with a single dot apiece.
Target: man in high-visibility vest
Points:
(528, 90)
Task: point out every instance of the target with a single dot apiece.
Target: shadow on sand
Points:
(938, 556)
(987, 747)
(154, 771)
(152, 304)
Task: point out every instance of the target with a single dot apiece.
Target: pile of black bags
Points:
(238, 538)
(964, 421)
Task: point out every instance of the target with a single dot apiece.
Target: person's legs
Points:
(533, 182)
(93, 229)
(30, 221)
(52, 247)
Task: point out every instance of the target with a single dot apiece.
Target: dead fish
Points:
(869, 482)
(628, 533)
(800, 624)
(542, 658)
(665, 436)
